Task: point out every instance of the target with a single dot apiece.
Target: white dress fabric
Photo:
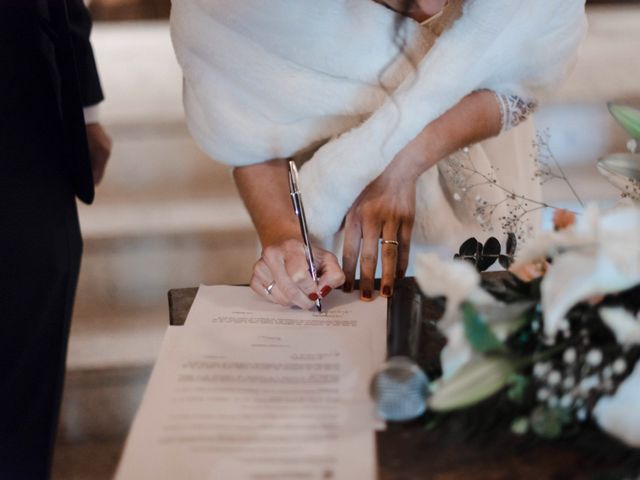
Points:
(265, 80)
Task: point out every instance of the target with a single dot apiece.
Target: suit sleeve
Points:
(80, 28)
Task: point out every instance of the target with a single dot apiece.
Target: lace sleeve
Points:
(513, 110)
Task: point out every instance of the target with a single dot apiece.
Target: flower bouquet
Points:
(558, 340)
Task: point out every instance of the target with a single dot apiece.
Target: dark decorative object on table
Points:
(483, 256)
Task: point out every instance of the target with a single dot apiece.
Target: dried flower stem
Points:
(510, 194)
(542, 159)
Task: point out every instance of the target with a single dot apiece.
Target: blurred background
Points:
(167, 216)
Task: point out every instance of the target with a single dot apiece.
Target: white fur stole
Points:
(265, 79)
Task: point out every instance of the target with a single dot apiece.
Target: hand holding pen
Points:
(282, 275)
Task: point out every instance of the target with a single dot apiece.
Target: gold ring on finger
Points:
(395, 243)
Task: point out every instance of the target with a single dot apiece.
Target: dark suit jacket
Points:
(48, 73)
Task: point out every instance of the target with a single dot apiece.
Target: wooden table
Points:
(478, 445)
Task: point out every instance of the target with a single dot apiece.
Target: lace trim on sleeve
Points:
(514, 110)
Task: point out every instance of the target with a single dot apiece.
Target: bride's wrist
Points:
(422, 153)
(278, 234)
(412, 162)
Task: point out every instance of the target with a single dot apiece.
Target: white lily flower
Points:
(624, 326)
(599, 255)
(457, 352)
(619, 414)
(459, 282)
(456, 280)
(582, 236)
(574, 277)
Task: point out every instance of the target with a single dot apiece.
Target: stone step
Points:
(97, 410)
(121, 308)
(153, 154)
(139, 72)
(110, 338)
(134, 253)
(160, 162)
(167, 218)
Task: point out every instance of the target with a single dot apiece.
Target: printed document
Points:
(251, 390)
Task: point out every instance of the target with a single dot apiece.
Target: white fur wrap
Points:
(266, 79)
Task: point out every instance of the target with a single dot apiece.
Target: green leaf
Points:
(616, 164)
(520, 425)
(480, 336)
(503, 329)
(549, 422)
(472, 383)
(628, 117)
(519, 384)
(432, 425)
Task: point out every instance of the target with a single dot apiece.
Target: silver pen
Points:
(296, 199)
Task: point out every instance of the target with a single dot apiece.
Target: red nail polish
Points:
(386, 291)
(325, 291)
(313, 297)
(347, 287)
(366, 294)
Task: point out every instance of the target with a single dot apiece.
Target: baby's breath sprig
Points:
(467, 181)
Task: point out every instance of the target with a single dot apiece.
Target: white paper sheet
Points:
(342, 312)
(261, 392)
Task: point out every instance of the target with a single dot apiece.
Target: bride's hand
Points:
(385, 210)
(282, 276)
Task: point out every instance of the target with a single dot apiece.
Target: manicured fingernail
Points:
(347, 287)
(366, 294)
(325, 291)
(313, 296)
(386, 291)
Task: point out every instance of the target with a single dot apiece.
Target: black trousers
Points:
(40, 249)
